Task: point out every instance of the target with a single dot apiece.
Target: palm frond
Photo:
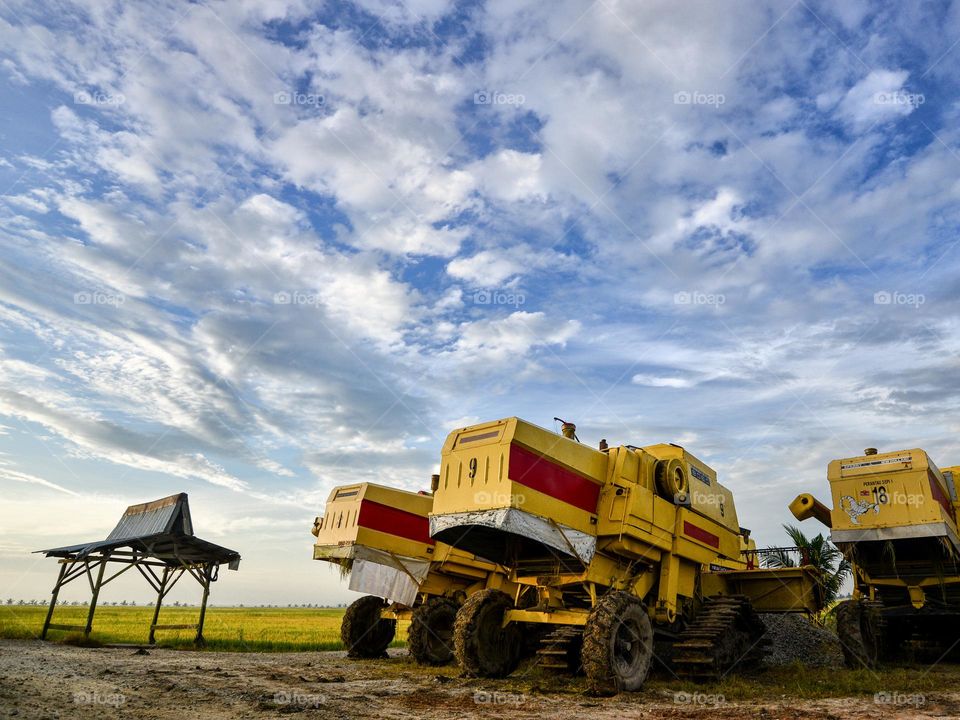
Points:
(778, 558)
(820, 553)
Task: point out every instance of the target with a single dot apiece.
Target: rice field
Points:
(246, 629)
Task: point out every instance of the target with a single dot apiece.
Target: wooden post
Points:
(53, 600)
(96, 594)
(207, 573)
(156, 610)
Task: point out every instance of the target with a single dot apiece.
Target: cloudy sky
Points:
(254, 249)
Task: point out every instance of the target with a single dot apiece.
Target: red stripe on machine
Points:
(390, 520)
(939, 495)
(698, 533)
(544, 476)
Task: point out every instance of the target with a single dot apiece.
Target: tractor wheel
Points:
(430, 636)
(484, 648)
(617, 643)
(363, 631)
(859, 630)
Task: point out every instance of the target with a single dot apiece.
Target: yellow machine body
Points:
(340, 532)
(891, 496)
(572, 522)
(894, 515)
(380, 536)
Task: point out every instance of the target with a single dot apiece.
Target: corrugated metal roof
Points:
(167, 515)
(161, 529)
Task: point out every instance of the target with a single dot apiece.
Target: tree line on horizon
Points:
(175, 603)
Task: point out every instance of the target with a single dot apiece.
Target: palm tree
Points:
(819, 552)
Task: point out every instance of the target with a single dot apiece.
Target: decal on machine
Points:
(855, 508)
(699, 474)
(874, 463)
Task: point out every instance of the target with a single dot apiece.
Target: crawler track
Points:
(726, 635)
(560, 649)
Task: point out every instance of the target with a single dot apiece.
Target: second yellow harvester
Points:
(894, 516)
(379, 536)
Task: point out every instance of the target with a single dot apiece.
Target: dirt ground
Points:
(41, 680)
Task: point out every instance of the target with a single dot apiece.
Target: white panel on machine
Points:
(519, 522)
(388, 576)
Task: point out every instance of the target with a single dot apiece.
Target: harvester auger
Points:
(613, 551)
(894, 517)
(379, 536)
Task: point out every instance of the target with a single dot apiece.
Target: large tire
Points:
(671, 480)
(617, 643)
(364, 633)
(430, 637)
(859, 631)
(483, 647)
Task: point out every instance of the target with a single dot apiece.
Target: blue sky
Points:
(252, 250)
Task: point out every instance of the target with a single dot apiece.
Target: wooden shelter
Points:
(157, 539)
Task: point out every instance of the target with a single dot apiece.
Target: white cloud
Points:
(410, 11)
(511, 337)
(879, 96)
(668, 382)
(486, 267)
(492, 268)
(510, 176)
(16, 476)
(28, 202)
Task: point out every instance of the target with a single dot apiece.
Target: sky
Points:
(251, 250)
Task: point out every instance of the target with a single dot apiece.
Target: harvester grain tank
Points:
(379, 537)
(894, 516)
(610, 549)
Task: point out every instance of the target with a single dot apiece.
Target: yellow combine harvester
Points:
(894, 517)
(379, 536)
(609, 548)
